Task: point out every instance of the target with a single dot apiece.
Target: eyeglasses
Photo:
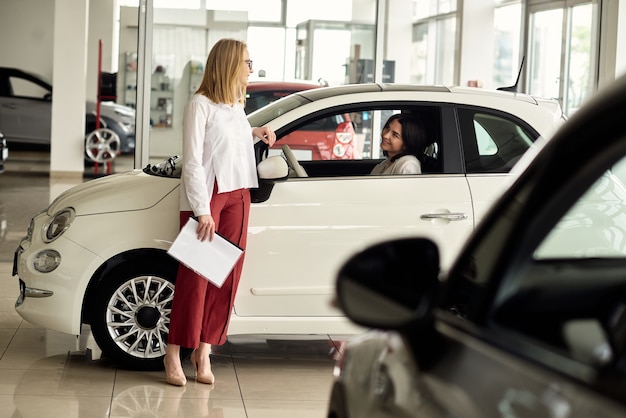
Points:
(249, 62)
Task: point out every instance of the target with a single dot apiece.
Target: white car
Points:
(97, 254)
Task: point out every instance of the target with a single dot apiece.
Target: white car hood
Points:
(123, 192)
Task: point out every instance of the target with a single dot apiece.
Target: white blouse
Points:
(407, 164)
(217, 145)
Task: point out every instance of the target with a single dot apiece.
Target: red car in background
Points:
(331, 138)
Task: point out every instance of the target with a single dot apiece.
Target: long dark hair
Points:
(413, 136)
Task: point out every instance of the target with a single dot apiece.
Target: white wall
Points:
(477, 40)
(68, 103)
(101, 27)
(26, 28)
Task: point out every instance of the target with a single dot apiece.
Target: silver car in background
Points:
(26, 111)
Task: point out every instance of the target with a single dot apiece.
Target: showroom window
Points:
(563, 50)
(507, 42)
(434, 38)
(266, 10)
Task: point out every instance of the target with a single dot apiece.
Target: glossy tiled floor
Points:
(48, 374)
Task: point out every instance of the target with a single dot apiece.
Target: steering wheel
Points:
(292, 162)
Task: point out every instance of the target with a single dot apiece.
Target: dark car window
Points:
(493, 143)
(258, 99)
(571, 296)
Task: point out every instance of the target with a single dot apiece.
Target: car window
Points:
(492, 142)
(486, 144)
(256, 100)
(353, 135)
(25, 88)
(595, 226)
(571, 295)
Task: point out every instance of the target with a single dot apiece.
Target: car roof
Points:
(318, 94)
(540, 112)
(296, 85)
(25, 73)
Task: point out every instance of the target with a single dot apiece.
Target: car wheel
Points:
(102, 145)
(131, 313)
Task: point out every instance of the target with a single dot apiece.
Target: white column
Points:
(69, 92)
(399, 42)
(477, 38)
(620, 48)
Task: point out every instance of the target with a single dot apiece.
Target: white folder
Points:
(213, 260)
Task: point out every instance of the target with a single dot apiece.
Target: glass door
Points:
(580, 71)
(562, 48)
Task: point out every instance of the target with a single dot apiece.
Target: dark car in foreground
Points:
(4, 152)
(26, 114)
(530, 320)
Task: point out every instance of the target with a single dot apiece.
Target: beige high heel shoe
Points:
(208, 377)
(174, 377)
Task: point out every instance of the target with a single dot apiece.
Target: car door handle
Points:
(445, 216)
(9, 105)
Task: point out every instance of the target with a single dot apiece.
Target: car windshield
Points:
(273, 110)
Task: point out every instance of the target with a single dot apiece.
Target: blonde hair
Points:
(220, 81)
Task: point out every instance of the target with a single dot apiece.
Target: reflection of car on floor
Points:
(530, 321)
(329, 138)
(4, 152)
(301, 227)
(26, 112)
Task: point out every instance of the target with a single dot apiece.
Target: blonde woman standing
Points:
(219, 168)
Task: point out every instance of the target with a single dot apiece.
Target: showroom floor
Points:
(47, 374)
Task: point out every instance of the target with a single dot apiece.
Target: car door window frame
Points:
(449, 141)
(476, 162)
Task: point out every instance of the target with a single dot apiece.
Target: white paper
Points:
(213, 260)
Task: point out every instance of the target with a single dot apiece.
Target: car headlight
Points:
(47, 260)
(128, 125)
(58, 224)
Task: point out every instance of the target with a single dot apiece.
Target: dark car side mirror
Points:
(391, 284)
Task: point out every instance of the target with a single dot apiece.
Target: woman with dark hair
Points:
(403, 142)
(219, 168)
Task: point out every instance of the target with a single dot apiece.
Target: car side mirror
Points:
(391, 284)
(273, 169)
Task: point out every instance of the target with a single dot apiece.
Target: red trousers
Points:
(201, 310)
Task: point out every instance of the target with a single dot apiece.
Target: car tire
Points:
(131, 312)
